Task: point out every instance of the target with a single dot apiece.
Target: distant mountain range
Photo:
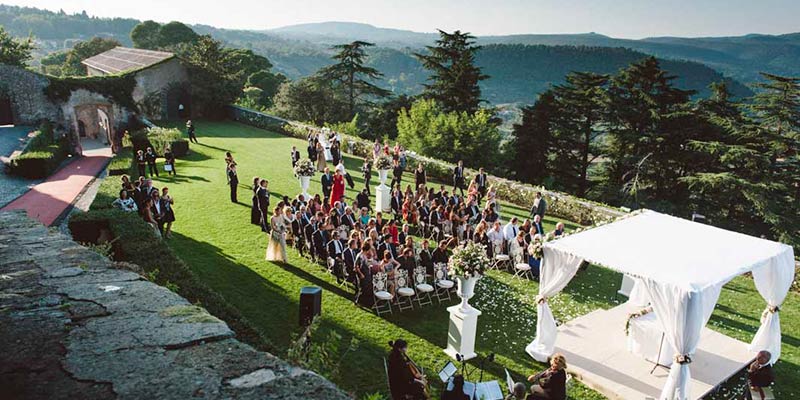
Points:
(520, 66)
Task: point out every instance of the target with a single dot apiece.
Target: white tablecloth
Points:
(645, 338)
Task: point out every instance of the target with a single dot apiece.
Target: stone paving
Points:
(74, 324)
(11, 186)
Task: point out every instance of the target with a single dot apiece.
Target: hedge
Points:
(157, 138)
(41, 156)
(136, 242)
(118, 88)
(121, 163)
(563, 205)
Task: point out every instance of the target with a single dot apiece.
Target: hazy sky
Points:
(619, 18)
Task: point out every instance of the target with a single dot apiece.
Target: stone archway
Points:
(178, 102)
(94, 122)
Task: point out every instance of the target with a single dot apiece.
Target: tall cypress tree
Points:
(454, 76)
(351, 73)
(582, 103)
(532, 140)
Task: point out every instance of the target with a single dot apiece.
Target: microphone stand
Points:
(489, 358)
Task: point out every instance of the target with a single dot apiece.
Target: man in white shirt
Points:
(510, 230)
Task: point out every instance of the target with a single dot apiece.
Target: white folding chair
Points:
(424, 290)
(405, 294)
(501, 260)
(381, 294)
(521, 268)
(443, 285)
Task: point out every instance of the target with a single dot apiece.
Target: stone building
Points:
(162, 83)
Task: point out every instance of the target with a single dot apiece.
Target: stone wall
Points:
(156, 81)
(26, 90)
(74, 324)
(82, 101)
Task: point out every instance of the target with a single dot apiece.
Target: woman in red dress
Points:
(337, 193)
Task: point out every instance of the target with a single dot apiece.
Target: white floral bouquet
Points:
(383, 162)
(304, 167)
(469, 260)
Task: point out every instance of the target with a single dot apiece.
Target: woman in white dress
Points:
(276, 249)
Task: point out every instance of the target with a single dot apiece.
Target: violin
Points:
(417, 372)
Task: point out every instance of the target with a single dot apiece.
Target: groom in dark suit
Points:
(458, 178)
(327, 183)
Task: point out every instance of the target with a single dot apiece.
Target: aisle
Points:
(47, 201)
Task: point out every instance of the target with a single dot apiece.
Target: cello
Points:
(421, 381)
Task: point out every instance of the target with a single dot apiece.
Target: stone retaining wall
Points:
(74, 324)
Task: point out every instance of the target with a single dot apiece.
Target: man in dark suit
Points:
(387, 246)
(362, 200)
(150, 156)
(537, 224)
(335, 250)
(425, 257)
(481, 181)
(397, 174)
(539, 205)
(458, 178)
(348, 219)
(397, 203)
(295, 156)
(440, 255)
(233, 181)
(474, 212)
(403, 235)
(327, 183)
(311, 150)
(321, 237)
(349, 258)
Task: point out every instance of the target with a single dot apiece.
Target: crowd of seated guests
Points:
(355, 242)
(154, 206)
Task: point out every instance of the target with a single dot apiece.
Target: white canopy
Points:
(682, 266)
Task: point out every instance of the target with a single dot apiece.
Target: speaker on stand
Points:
(310, 304)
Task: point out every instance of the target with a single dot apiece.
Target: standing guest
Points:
(366, 169)
(138, 195)
(255, 211)
(320, 152)
(228, 158)
(169, 161)
(552, 383)
(458, 178)
(440, 255)
(190, 131)
(397, 173)
(295, 156)
(276, 249)
(337, 188)
(340, 168)
(127, 185)
(420, 176)
(233, 181)
(312, 148)
(140, 162)
(376, 149)
(150, 156)
(327, 183)
(425, 257)
(759, 375)
(537, 224)
(362, 200)
(539, 205)
(336, 152)
(491, 198)
(481, 180)
(262, 195)
(147, 214)
(124, 202)
(157, 208)
(169, 214)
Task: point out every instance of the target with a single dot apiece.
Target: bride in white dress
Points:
(276, 249)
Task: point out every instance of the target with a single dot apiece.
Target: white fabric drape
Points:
(682, 314)
(773, 281)
(557, 270)
(638, 296)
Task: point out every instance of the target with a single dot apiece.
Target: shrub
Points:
(41, 156)
(158, 138)
(122, 162)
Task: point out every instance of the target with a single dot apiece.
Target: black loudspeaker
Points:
(310, 304)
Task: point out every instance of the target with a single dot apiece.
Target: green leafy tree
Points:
(454, 76)
(381, 120)
(146, 35)
(430, 130)
(532, 138)
(354, 77)
(269, 83)
(83, 50)
(175, 33)
(15, 51)
(311, 99)
(214, 84)
(581, 106)
(648, 126)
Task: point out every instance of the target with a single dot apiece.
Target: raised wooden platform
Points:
(596, 352)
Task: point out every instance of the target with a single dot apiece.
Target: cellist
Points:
(405, 379)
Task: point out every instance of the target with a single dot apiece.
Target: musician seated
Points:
(518, 393)
(457, 391)
(759, 376)
(405, 379)
(551, 383)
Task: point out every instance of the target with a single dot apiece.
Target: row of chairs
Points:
(406, 293)
(511, 262)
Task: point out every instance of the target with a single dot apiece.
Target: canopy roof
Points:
(672, 250)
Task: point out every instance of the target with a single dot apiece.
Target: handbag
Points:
(168, 167)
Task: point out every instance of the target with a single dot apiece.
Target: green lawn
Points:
(217, 241)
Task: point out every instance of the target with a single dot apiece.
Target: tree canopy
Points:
(354, 77)
(15, 51)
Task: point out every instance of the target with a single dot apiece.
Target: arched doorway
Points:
(93, 124)
(6, 114)
(178, 102)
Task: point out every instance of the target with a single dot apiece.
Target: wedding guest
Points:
(169, 214)
(150, 156)
(262, 195)
(481, 181)
(420, 176)
(458, 177)
(320, 152)
(124, 202)
(255, 211)
(276, 248)
(141, 161)
(295, 156)
(759, 375)
(327, 183)
(539, 205)
(559, 231)
(366, 169)
(552, 383)
(169, 161)
(397, 173)
(190, 131)
(233, 181)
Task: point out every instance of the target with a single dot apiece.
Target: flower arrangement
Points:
(469, 260)
(383, 162)
(634, 315)
(304, 167)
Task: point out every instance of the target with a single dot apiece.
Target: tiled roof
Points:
(125, 59)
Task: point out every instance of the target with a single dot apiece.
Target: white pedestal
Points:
(462, 331)
(383, 198)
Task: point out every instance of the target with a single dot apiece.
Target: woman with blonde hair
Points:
(551, 383)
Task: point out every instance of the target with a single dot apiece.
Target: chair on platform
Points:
(443, 285)
(381, 294)
(405, 294)
(424, 290)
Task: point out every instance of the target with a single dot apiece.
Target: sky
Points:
(632, 19)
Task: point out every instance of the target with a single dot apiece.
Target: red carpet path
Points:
(48, 200)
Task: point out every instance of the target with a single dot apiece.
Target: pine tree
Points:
(582, 103)
(532, 140)
(648, 124)
(454, 76)
(351, 73)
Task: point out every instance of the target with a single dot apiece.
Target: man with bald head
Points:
(760, 375)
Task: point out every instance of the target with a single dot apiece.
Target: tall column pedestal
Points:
(462, 331)
(383, 198)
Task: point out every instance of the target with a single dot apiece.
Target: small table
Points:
(646, 339)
